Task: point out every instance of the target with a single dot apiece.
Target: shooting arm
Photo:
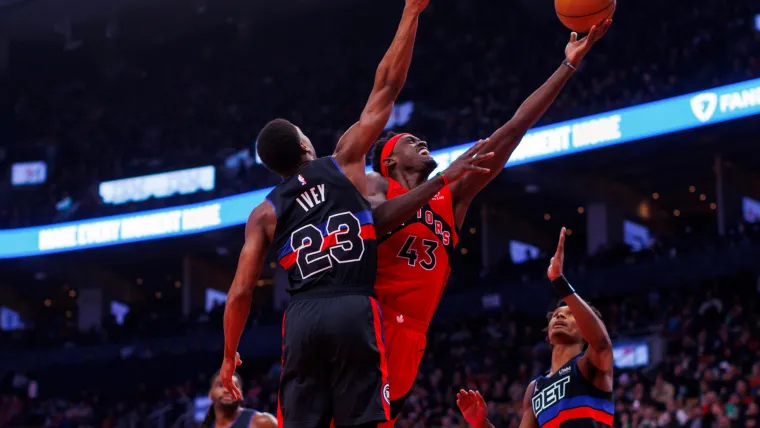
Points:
(389, 79)
(599, 352)
(389, 213)
(504, 141)
(258, 233)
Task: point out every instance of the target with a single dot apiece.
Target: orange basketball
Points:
(581, 15)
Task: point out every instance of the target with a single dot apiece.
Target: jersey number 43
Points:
(410, 252)
(315, 257)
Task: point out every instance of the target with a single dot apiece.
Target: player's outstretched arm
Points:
(504, 141)
(599, 352)
(390, 78)
(258, 234)
(390, 213)
(528, 417)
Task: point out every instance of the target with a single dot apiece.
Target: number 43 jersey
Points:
(413, 260)
(325, 237)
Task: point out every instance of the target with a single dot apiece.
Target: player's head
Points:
(283, 147)
(562, 329)
(220, 396)
(399, 153)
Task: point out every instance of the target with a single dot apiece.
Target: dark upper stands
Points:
(195, 101)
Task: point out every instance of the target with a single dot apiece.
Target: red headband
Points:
(387, 150)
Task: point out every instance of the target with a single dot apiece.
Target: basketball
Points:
(581, 15)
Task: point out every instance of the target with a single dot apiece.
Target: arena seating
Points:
(709, 369)
(203, 98)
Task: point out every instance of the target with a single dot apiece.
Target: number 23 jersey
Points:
(325, 236)
(413, 260)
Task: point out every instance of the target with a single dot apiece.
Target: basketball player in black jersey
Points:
(323, 231)
(226, 412)
(577, 390)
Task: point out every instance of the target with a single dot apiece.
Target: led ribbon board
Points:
(564, 138)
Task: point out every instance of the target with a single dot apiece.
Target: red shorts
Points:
(405, 342)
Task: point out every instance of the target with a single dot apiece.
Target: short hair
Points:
(377, 152)
(279, 146)
(562, 303)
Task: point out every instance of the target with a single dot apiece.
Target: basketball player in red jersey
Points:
(413, 260)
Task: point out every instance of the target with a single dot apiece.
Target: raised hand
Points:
(226, 374)
(555, 266)
(468, 162)
(473, 407)
(417, 6)
(577, 49)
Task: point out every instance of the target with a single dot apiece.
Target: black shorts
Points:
(333, 363)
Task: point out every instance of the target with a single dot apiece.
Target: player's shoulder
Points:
(263, 420)
(263, 217)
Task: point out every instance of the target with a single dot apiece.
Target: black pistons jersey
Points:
(243, 420)
(325, 236)
(566, 399)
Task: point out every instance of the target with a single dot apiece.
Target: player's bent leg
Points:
(358, 367)
(406, 343)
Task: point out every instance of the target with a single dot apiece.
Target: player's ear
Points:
(389, 162)
(304, 146)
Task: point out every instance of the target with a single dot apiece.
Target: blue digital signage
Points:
(560, 139)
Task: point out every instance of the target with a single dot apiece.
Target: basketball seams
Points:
(612, 3)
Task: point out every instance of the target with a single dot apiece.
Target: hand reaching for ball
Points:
(577, 49)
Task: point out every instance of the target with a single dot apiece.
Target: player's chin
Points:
(560, 336)
(429, 162)
(228, 401)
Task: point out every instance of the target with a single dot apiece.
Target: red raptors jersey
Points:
(413, 260)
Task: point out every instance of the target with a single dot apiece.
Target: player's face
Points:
(219, 395)
(562, 327)
(413, 154)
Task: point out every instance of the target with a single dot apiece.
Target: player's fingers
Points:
(478, 169)
(573, 37)
(475, 148)
(480, 397)
(482, 157)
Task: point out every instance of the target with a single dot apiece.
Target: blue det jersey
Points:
(566, 399)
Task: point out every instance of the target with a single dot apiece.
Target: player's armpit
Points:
(390, 78)
(263, 420)
(528, 417)
(377, 188)
(258, 234)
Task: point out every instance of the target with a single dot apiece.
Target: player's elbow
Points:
(239, 292)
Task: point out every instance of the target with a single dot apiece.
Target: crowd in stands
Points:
(198, 100)
(708, 376)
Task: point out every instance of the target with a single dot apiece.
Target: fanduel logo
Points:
(704, 105)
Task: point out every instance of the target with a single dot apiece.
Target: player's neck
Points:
(561, 354)
(226, 416)
(410, 180)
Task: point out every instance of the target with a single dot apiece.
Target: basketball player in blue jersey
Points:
(577, 390)
(226, 412)
(323, 231)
